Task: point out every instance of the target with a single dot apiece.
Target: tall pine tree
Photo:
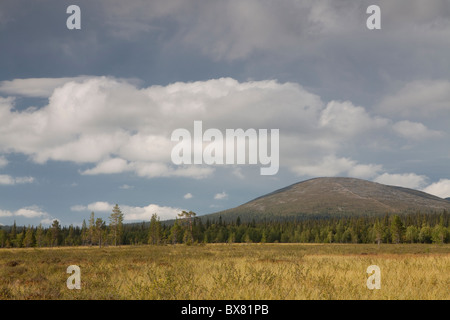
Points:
(154, 232)
(116, 225)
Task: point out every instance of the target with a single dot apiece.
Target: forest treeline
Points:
(190, 229)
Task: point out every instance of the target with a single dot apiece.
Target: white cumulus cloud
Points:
(131, 213)
(221, 195)
(111, 126)
(345, 118)
(3, 162)
(414, 130)
(419, 99)
(35, 87)
(440, 189)
(9, 180)
(126, 187)
(407, 180)
(33, 211)
(330, 166)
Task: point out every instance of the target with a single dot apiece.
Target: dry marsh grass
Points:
(222, 271)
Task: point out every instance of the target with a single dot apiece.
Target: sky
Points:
(87, 115)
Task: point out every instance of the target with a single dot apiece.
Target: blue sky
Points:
(86, 115)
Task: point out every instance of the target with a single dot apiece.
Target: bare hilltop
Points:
(337, 196)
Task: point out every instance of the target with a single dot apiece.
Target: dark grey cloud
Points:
(323, 44)
(382, 95)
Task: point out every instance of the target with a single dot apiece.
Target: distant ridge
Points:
(326, 197)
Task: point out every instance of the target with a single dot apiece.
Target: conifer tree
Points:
(40, 236)
(28, 239)
(154, 232)
(91, 230)
(379, 231)
(13, 234)
(3, 238)
(99, 229)
(70, 237)
(84, 233)
(397, 229)
(187, 216)
(175, 232)
(116, 225)
(55, 231)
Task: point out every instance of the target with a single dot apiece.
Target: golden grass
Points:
(222, 271)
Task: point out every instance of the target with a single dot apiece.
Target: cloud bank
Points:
(28, 212)
(113, 126)
(131, 213)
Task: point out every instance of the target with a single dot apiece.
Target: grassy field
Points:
(222, 271)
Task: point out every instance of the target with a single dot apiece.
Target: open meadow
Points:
(224, 271)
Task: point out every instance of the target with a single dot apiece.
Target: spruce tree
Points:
(187, 216)
(3, 238)
(84, 233)
(40, 236)
(55, 231)
(13, 234)
(397, 229)
(379, 231)
(116, 225)
(99, 229)
(70, 237)
(154, 232)
(28, 239)
(91, 230)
